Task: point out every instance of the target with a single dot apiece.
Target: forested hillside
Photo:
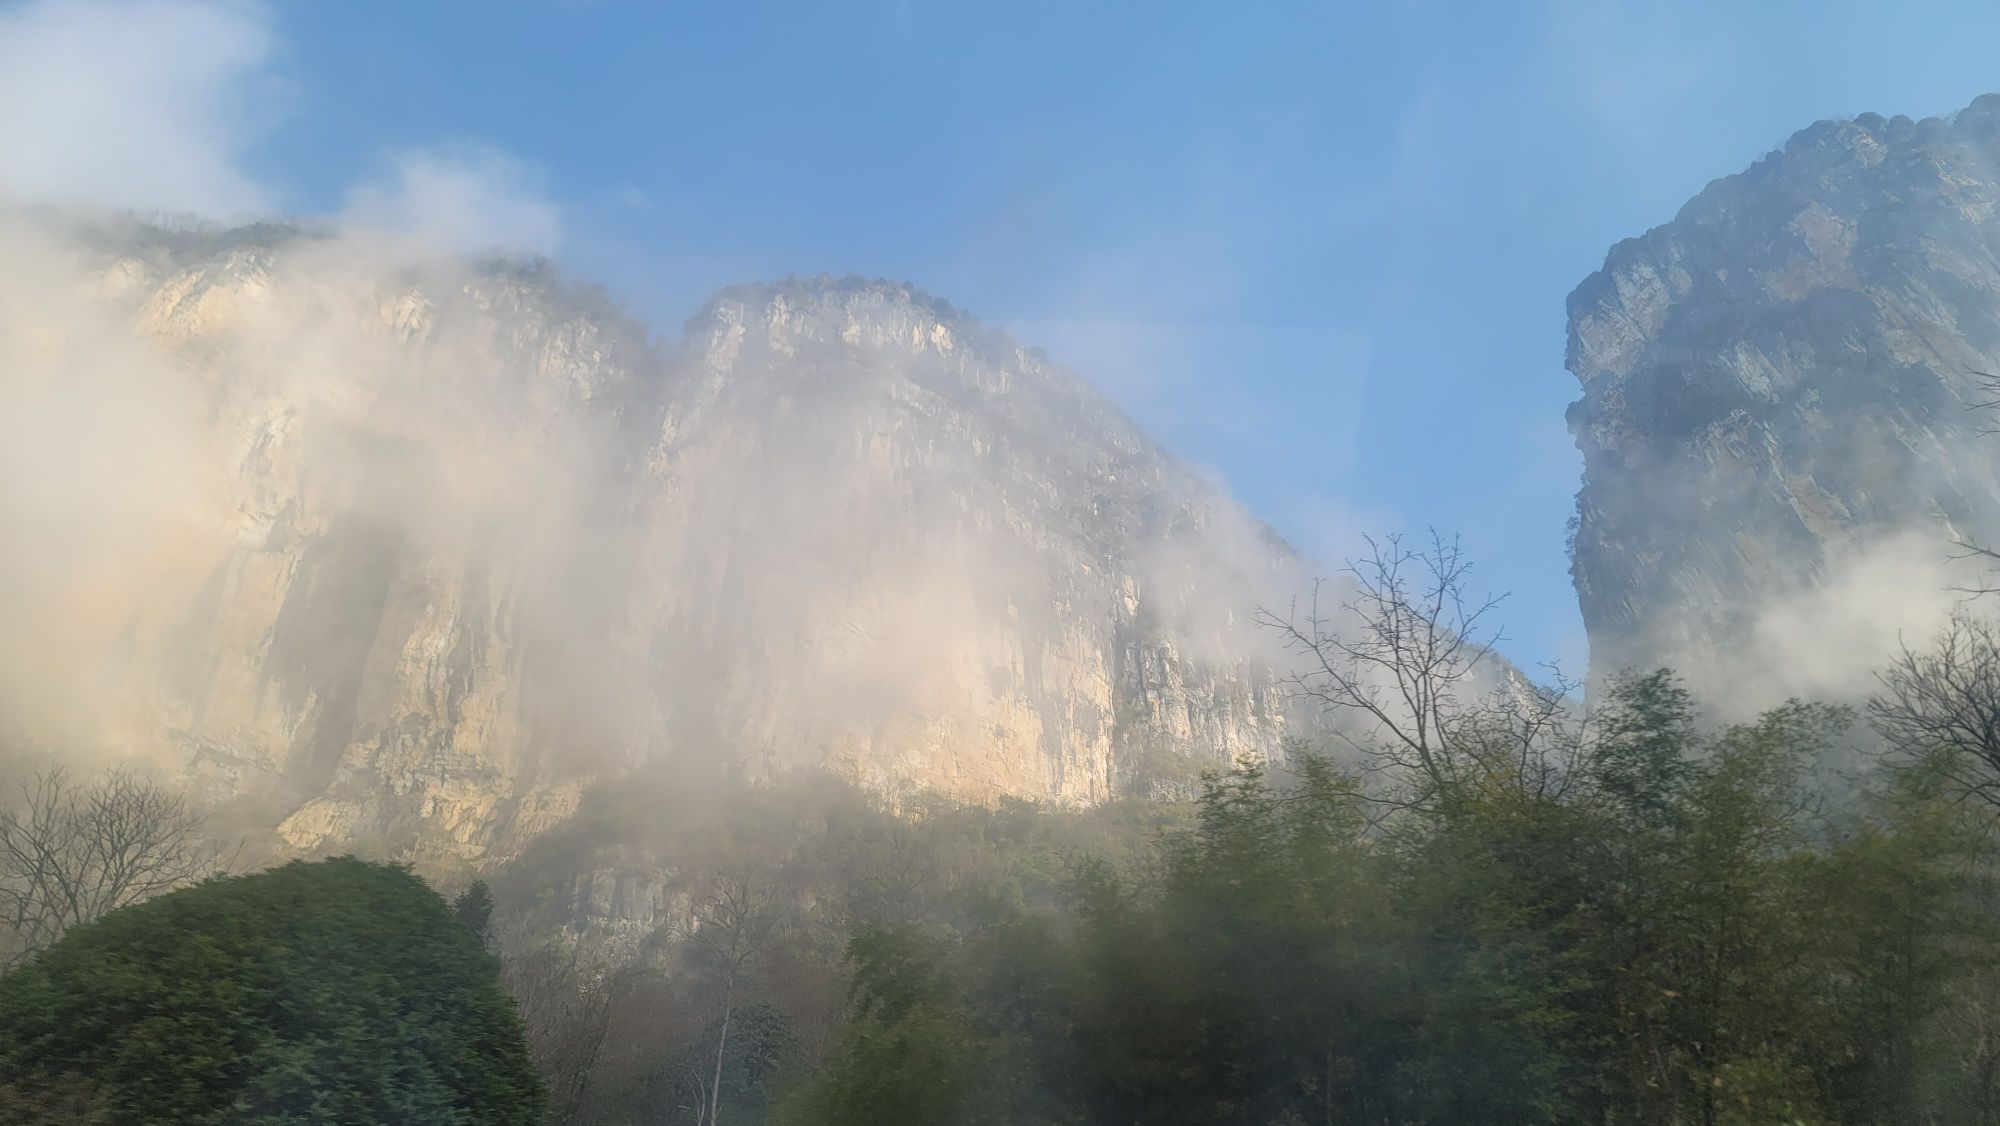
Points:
(1524, 914)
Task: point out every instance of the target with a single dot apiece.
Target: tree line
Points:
(1491, 904)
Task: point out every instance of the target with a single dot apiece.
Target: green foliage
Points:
(1630, 950)
(337, 991)
(474, 908)
(1667, 930)
(760, 1046)
(922, 1051)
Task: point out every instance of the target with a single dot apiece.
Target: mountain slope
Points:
(411, 552)
(1777, 444)
(925, 555)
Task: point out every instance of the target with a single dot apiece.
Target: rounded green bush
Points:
(330, 992)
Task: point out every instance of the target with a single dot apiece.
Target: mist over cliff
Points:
(413, 547)
(1779, 422)
(404, 543)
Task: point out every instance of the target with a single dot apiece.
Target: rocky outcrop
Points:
(448, 543)
(1775, 405)
(918, 553)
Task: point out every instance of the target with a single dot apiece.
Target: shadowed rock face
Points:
(1775, 390)
(462, 541)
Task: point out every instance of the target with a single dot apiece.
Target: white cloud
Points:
(139, 104)
(151, 105)
(1825, 640)
(462, 200)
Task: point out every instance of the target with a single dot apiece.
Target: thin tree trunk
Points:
(721, 1042)
(1329, 1085)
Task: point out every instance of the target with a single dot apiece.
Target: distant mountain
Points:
(413, 552)
(1779, 421)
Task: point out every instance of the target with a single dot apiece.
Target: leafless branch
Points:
(1394, 652)
(730, 927)
(1942, 705)
(1400, 653)
(1989, 386)
(70, 853)
(565, 1008)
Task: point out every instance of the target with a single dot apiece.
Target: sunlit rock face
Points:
(884, 539)
(338, 587)
(412, 553)
(1777, 444)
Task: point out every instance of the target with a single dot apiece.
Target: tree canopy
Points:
(1675, 934)
(330, 992)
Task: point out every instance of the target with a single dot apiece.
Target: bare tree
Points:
(730, 928)
(1397, 654)
(565, 1009)
(1987, 399)
(1530, 734)
(1989, 395)
(1969, 548)
(1410, 655)
(1941, 705)
(70, 853)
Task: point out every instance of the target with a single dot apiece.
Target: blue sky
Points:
(1319, 250)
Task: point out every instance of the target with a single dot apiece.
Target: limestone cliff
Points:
(432, 546)
(1775, 405)
(920, 553)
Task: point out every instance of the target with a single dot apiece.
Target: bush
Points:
(337, 991)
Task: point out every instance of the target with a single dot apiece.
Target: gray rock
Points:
(1775, 393)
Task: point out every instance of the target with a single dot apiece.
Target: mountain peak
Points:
(1774, 388)
(795, 313)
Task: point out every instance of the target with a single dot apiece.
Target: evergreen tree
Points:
(474, 908)
(337, 991)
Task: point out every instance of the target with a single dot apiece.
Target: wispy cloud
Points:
(465, 199)
(141, 105)
(154, 105)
